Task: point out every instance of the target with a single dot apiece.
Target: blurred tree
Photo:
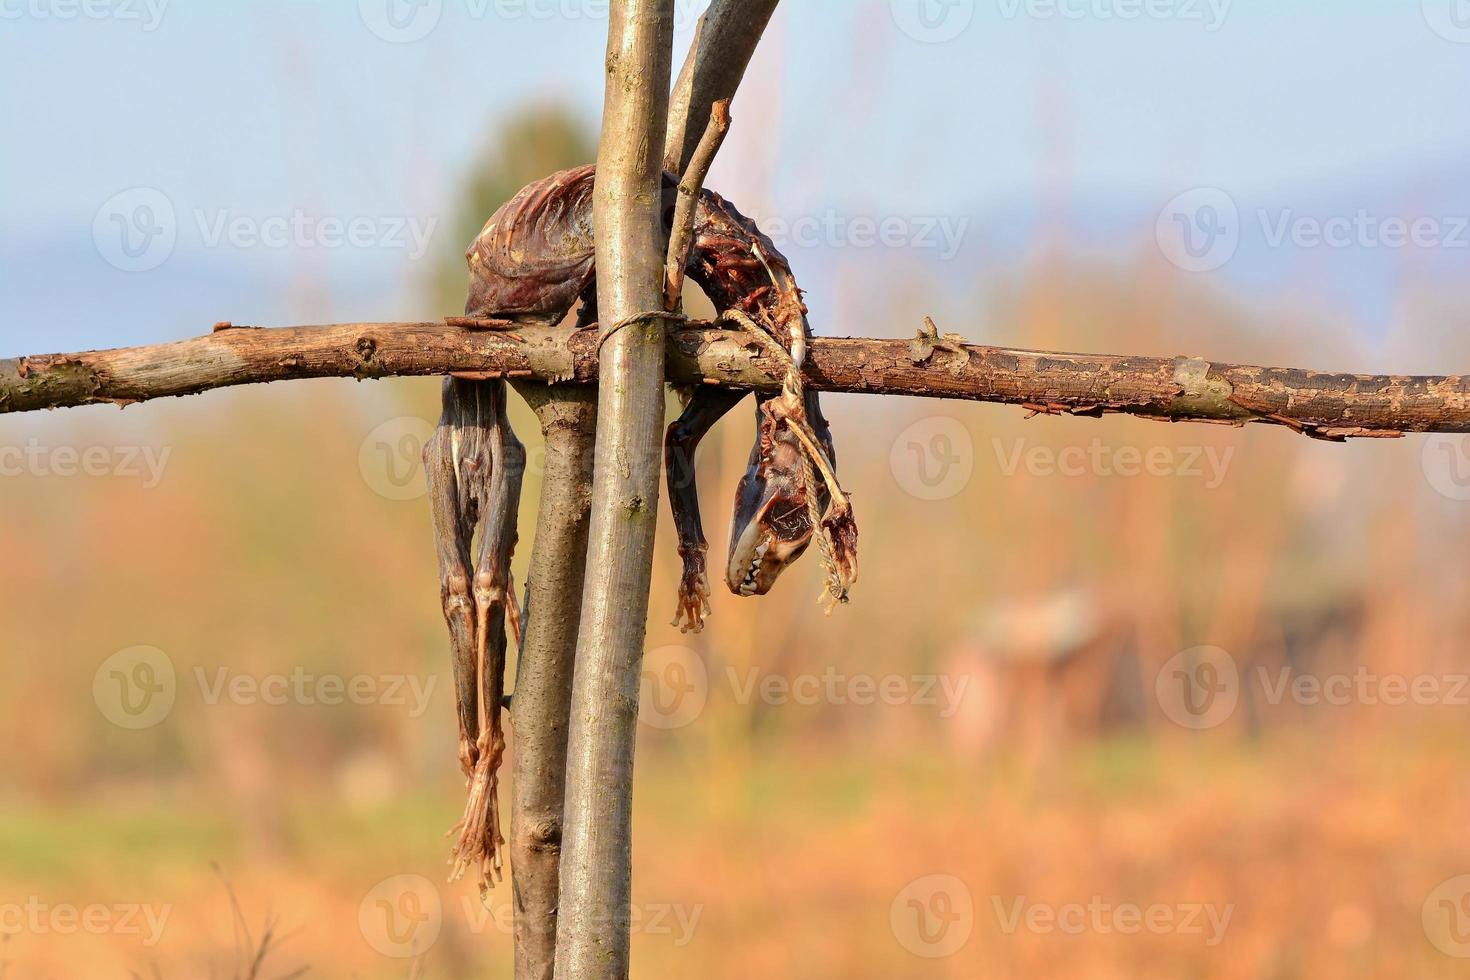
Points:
(537, 140)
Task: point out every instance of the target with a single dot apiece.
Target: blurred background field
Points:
(1055, 708)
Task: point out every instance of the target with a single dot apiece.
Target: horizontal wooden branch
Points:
(1176, 389)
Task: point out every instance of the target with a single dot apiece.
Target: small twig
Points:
(255, 955)
(479, 322)
(682, 237)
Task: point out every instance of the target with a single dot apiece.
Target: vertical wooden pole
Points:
(596, 870)
(540, 712)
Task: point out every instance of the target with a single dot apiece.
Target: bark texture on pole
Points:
(597, 854)
(541, 708)
(1171, 389)
(723, 45)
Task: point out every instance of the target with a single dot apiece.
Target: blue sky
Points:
(263, 110)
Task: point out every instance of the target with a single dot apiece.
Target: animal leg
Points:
(453, 468)
(481, 839)
(705, 408)
(475, 466)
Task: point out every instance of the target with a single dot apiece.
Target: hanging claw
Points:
(693, 590)
(706, 407)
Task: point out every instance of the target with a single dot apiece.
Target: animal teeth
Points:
(747, 583)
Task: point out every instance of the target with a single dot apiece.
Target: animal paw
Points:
(693, 591)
